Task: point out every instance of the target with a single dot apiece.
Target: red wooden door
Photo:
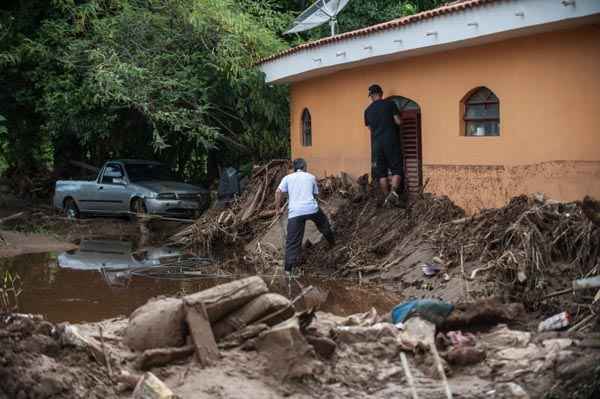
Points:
(411, 148)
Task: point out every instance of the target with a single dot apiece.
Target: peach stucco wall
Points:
(549, 90)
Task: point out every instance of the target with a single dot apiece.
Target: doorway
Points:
(410, 113)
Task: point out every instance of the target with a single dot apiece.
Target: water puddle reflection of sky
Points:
(96, 282)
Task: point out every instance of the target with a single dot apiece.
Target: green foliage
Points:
(161, 79)
(151, 79)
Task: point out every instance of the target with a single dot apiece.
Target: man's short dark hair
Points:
(299, 164)
(375, 89)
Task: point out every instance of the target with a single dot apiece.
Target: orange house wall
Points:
(549, 90)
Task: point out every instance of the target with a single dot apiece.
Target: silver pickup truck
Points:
(126, 186)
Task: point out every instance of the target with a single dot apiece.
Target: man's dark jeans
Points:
(295, 234)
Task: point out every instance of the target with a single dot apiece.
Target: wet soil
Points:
(34, 363)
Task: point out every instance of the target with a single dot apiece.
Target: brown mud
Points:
(520, 253)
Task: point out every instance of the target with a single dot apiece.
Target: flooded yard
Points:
(108, 278)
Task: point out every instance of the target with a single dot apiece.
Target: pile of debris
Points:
(238, 337)
(254, 211)
(250, 212)
(530, 247)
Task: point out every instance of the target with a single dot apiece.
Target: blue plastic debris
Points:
(431, 310)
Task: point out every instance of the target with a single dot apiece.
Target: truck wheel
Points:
(71, 209)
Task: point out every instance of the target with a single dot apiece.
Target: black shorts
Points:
(386, 154)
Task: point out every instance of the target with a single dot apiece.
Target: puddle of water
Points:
(89, 284)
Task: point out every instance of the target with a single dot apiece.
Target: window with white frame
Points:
(482, 113)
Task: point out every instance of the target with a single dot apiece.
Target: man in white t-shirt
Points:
(301, 188)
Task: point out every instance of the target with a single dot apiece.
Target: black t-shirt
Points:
(379, 116)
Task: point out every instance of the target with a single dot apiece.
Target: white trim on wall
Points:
(474, 26)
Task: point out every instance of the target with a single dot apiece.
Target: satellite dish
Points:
(321, 12)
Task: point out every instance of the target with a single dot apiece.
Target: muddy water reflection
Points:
(63, 294)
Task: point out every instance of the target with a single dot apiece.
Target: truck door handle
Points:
(100, 188)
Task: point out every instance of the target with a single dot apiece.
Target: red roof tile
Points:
(395, 23)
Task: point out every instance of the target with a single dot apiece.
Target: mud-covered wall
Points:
(475, 187)
(549, 90)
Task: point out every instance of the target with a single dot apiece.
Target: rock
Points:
(157, 324)
(150, 387)
(259, 307)
(288, 352)
(225, 298)
(465, 356)
(325, 347)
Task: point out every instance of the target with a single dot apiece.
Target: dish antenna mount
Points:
(321, 12)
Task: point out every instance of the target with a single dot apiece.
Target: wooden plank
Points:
(201, 332)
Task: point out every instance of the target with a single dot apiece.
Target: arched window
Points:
(306, 128)
(482, 113)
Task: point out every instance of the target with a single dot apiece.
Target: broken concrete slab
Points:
(225, 298)
(157, 324)
(201, 332)
(288, 352)
(259, 307)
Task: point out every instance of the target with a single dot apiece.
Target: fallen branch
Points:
(12, 217)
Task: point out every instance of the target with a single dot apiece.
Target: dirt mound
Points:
(530, 247)
(35, 364)
(372, 238)
(522, 252)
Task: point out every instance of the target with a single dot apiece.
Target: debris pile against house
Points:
(529, 250)
(239, 336)
(247, 214)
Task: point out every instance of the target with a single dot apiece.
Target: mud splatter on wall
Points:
(474, 187)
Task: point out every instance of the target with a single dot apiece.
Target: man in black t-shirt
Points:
(382, 118)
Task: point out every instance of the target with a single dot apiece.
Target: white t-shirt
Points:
(301, 187)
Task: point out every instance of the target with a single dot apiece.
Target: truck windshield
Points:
(148, 171)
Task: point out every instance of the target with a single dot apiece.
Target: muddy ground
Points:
(377, 262)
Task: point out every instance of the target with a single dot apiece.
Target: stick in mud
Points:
(409, 377)
(106, 355)
(440, 367)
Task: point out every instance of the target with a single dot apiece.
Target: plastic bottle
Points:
(555, 322)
